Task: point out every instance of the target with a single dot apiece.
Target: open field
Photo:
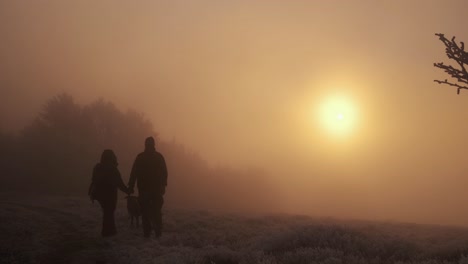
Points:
(57, 229)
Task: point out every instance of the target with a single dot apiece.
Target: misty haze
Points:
(258, 131)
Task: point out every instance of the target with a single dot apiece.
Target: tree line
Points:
(56, 152)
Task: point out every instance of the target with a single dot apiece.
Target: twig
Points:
(459, 87)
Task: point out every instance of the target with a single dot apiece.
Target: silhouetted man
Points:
(150, 172)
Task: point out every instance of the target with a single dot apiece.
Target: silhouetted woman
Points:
(103, 188)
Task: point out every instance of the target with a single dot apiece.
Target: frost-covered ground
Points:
(55, 229)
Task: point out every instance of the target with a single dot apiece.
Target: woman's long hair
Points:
(108, 157)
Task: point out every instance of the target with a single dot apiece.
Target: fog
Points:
(238, 83)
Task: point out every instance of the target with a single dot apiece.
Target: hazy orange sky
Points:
(240, 82)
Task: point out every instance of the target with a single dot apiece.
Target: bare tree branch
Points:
(456, 52)
(459, 87)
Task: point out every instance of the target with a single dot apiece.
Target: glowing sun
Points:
(337, 115)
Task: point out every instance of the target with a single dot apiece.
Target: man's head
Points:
(149, 142)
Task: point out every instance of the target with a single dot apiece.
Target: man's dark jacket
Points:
(150, 172)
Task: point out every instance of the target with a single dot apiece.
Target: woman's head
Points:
(108, 157)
